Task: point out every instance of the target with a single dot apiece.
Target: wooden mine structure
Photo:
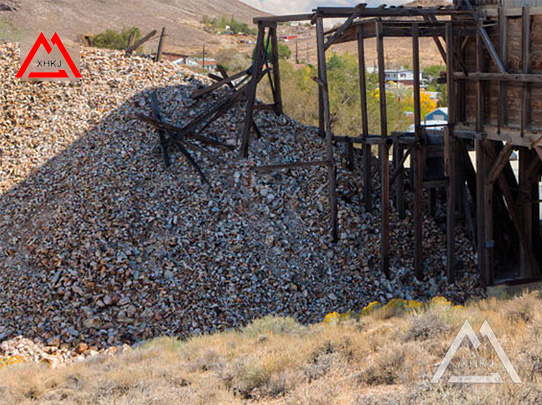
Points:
(493, 55)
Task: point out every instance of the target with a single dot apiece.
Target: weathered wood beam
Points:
(267, 168)
(384, 158)
(486, 40)
(401, 163)
(503, 88)
(323, 84)
(251, 91)
(347, 24)
(399, 179)
(450, 159)
(436, 39)
(481, 164)
(418, 160)
(526, 67)
(506, 77)
(160, 45)
(155, 106)
(367, 153)
(137, 44)
(214, 86)
(275, 61)
(284, 18)
(499, 163)
(182, 133)
(345, 12)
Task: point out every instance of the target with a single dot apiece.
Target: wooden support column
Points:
(322, 69)
(527, 264)
(398, 153)
(526, 62)
(367, 153)
(160, 45)
(483, 200)
(252, 87)
(489, 250)
(384, 157)
(277, 94)
(418, 162)
(503, 86)
(450, 160)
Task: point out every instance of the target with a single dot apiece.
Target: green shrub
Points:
(111, 39)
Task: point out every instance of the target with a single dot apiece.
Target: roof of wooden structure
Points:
(362, 11)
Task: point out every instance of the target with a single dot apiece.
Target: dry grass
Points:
(388, 356)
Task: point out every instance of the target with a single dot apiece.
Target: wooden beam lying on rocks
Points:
(161, 133)
(281, 166)
(225, 81)
(182, 133)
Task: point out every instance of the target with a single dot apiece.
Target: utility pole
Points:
(203, 55)
(296, 53)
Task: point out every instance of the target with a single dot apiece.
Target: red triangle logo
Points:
(60, 74)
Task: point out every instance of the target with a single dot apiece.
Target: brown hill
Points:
(182, 18)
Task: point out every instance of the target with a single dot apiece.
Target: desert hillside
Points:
(182, 18)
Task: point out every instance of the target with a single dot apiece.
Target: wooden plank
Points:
(384, 158)
(507, 77)
(181, 133)
(499, 164)
(503, 88)
(222, 70)
(251, 91)
(418, 162)
(528, 265)
(526, 66)
(323, 84)
(369, 140)
(515, 215)
(479, 89)
(136, 45)
(480, 207)
(347, 24)
(482, 33)
(400, 165)
(277, 93)
(281, 166)
(436, 39)
(488, 252)
(399, 179)
(284, 18)
(160, 45)
(450, 161)
(155, 106)
(367, 153)
(214, 86)
(345, 12)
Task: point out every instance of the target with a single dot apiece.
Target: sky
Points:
(304, 6)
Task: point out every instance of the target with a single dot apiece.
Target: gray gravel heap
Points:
(100, 244)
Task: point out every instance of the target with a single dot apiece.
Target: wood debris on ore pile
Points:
(101, 244)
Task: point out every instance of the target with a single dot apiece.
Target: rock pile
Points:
(100, 245)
